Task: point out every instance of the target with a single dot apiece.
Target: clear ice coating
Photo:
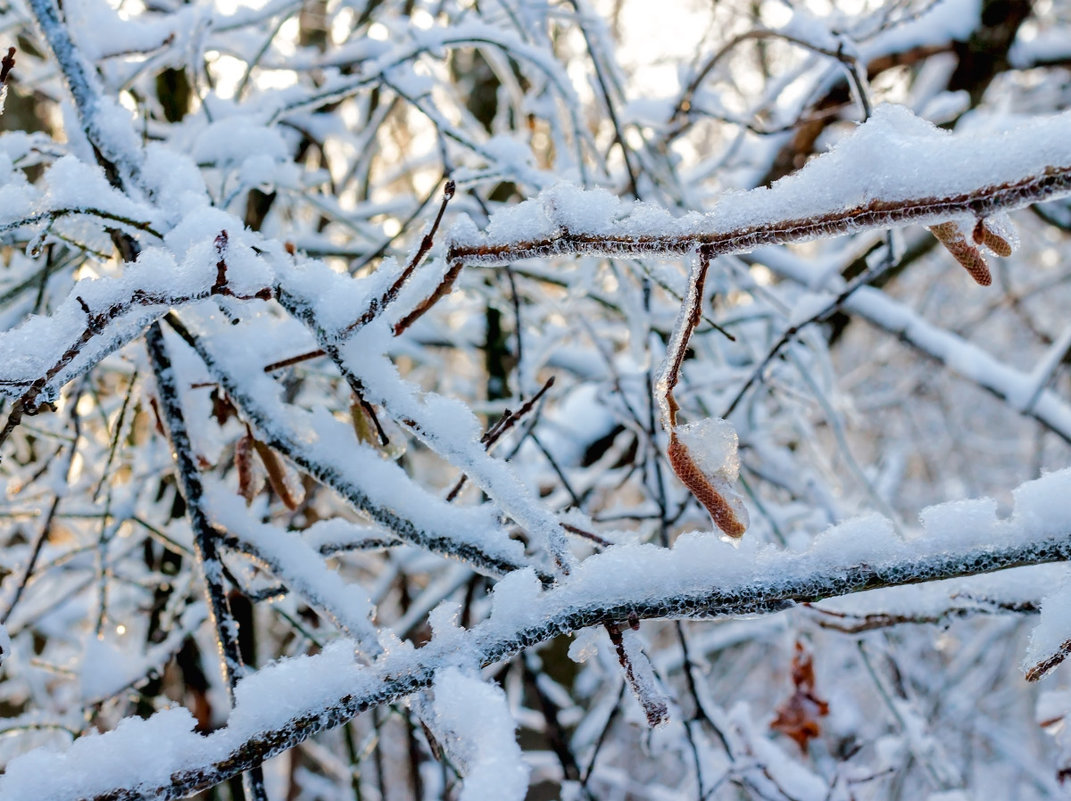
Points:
(712, 443)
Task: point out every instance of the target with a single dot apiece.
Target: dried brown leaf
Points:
(276, 474)
(797, 717)
(243, 463)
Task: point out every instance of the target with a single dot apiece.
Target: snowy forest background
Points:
(364, 366)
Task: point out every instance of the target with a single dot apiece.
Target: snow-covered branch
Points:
(894, 170)
(698, 578)
(328, 452)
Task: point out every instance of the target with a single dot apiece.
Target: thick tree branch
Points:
(398, 398)
(699, 578)
(1049, 183)
(206, 537)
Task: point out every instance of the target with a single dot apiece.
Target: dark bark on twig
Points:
(6, 65)
(206, 537)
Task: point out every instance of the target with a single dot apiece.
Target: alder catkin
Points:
(950, 235)
(697, 482)
(984, 235)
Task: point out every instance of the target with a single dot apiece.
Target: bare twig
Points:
(444, 288)
(46, 525)
(1039, 670)
(987, 372)
(679, 347)
(378, 305)
(654, 705)
(6, 65)
(500, 427)
(855, 624)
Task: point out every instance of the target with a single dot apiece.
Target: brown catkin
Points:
(699, 485)
(949, 235)
(984, 235)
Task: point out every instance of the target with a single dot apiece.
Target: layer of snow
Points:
(476, 717)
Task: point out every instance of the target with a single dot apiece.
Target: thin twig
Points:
(378, 305)
(654, 706)
(683, 335)
(500, 427)
(887, 263)
(445, 287)
(46, 525)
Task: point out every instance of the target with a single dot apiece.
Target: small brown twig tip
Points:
(6, 65)
(221, 265)
(984, 235)
(449, 189)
